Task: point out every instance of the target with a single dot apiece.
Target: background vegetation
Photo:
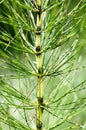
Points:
(63, 49)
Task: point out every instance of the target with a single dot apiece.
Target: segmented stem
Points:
(40, 91)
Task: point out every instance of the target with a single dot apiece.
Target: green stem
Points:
(40, 91)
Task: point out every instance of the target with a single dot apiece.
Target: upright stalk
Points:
(40, 91)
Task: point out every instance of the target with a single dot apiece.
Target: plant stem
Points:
(40, 91)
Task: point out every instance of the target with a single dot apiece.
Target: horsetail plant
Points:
(42, 49)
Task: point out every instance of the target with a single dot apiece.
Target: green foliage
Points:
(63, 50)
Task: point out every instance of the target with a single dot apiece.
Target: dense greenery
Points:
(42, 64)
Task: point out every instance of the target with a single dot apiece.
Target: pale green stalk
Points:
(40, 90)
